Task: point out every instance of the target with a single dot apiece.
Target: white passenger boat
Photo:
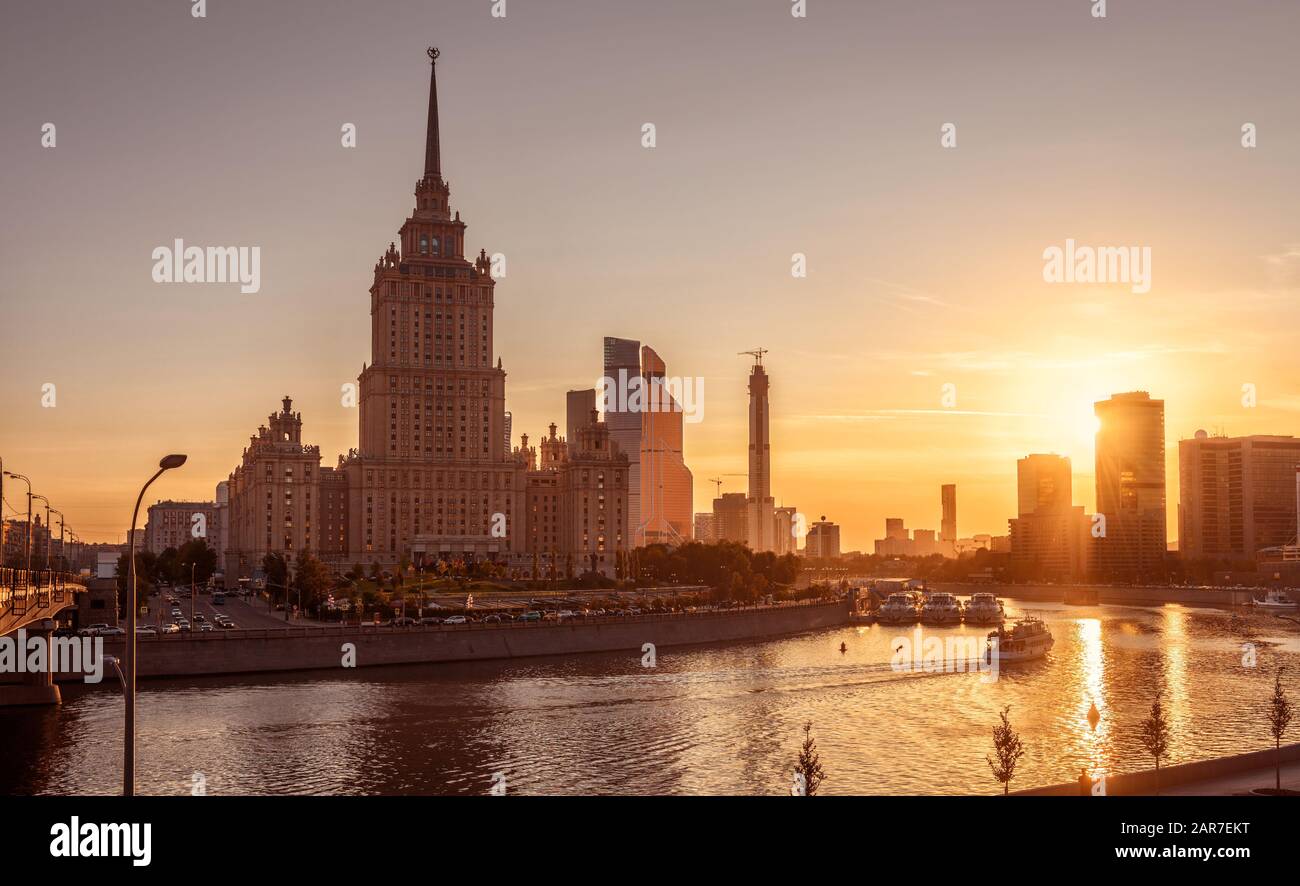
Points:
(898, 609)
(941, 609)
(984, 609)
(1028, 639)
(1276, 601)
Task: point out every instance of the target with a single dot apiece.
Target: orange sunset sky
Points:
(774, 136)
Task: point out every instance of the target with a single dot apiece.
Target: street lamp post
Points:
(27, 536)
(47, 530)
(128, 743)
(61, 519)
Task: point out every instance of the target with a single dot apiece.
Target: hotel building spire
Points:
(432, 154)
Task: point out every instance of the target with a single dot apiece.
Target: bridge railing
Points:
(21, 589)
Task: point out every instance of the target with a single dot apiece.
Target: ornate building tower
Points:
(432, 468)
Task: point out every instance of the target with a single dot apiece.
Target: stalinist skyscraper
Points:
(433, 477)
(760, 507)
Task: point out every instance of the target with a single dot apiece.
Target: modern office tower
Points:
(948, 526)
(1043, 485)
(785, 538)
(667, 486)
(761, 520)
(823, 540)
(1049, 536)
(621, 398)
(1131, 486)
(895, 529)
(577, 411)
(1237, 495)
(731, 517)
(704, 527)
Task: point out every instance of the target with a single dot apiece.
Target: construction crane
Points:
(718, 481)
(757, 354)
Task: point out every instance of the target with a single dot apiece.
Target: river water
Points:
(705, 720)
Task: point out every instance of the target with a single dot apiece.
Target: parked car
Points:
(430, 620)
(455, 620)
(404, 622)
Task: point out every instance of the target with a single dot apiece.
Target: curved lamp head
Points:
(171, 461)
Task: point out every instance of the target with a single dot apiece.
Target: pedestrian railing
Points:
(21, 589)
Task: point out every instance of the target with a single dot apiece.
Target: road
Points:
(249, 615)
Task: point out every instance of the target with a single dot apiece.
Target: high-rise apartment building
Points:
(1237, 495)
(1131, 486)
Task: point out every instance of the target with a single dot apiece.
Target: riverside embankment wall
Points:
(236, 652)
(1106, 593)
(1144, 781)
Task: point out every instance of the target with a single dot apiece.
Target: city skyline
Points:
(913, 288)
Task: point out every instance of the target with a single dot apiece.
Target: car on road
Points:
(404, 621)
(430, 620)
(456, 620)
(171, 628)
(200, 617)
(492, 620)
(564, 613)
(204, 627)
(227, 624)
(184, 626)
(149, 630)
(94, 630)
(531, 615)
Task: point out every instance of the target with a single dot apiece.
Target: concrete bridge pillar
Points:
(32, 688)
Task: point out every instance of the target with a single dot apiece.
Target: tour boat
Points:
(941, 609)
(898, 609)
(1276, 601)
(984, 609)
(1028, 639)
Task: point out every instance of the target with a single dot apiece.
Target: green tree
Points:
(1007, 751)
(276, 569)
(1279, 717)
(808, 770)
(1155, 736)
(311, 579)
(196, 553)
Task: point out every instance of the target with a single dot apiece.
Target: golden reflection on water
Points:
(1092, 683)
